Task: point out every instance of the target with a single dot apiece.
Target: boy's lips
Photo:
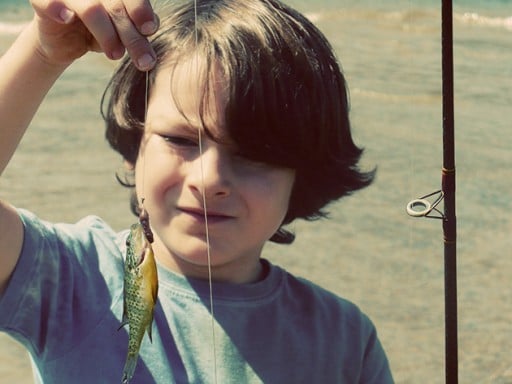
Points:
(212, 215)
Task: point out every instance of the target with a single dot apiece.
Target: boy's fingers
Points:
(98, 22)
(113, 26)
(142, 16)
(129, 34)
(55, 11)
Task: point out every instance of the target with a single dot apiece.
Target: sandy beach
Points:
(369, 251)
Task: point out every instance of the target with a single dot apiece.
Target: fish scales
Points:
(140, 294)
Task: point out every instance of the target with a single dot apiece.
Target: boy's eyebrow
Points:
(182, 124)
(189, 127)
(185, 125)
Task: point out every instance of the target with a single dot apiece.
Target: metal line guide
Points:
(424, 207)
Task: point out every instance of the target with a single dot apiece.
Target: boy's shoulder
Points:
(89, 249)
(91, 230)
(65, 272)
(309, 297)
(328, 322)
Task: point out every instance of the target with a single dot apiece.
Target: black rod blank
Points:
(448, 187)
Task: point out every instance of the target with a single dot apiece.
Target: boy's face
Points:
(246, 201)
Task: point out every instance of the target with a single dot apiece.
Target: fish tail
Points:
(129, 367)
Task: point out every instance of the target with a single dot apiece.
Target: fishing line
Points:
(146, 91)
(205, 211)
(412, 151)
(143, 216)
(142, 212)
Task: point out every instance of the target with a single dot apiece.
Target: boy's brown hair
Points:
(287, 98)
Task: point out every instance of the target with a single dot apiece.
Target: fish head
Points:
(136, 244)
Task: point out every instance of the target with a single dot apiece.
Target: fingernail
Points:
(148, 28)
(146, 61)
(66, 15)
(117, 54)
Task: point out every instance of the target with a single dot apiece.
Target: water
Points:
(370, 251)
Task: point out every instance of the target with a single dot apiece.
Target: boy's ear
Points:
(128, 166)
(125, 174)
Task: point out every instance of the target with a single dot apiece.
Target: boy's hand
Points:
(70, 28)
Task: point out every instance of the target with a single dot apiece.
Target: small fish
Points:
(140, 293)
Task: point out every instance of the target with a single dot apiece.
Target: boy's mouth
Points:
(198, 214)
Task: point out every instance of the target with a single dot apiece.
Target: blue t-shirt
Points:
(64, 304)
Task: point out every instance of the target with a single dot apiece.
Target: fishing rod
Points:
(448, 185)
(424, 207)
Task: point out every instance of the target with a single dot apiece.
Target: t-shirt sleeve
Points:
(376, 368)
(345, 334)
(62, 272)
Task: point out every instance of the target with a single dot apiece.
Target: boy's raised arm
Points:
(25, 80)
(60, 32)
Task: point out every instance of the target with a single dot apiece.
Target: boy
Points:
(246, 129)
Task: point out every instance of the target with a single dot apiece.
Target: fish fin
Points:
(129, 367)
(124, 320)
(154, 291)
(122, 325)
(150, 329)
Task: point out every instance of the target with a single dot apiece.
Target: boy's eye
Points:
(180, 141)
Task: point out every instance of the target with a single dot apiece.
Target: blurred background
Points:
(369, 251)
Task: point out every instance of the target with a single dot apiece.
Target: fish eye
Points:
(127, 242)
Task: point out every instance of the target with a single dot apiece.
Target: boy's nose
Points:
(210, 173)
